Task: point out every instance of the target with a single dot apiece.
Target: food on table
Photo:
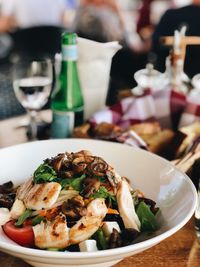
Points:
(76, 202)
(191, 131)
(187, 162)
(160, 141)
(82, 131)
(146, 128)
(156, 138)
(107, 131)
(104, 130)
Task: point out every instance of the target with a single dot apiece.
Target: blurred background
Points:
(32, 29)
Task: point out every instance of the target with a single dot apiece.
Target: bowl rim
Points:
(101, 253)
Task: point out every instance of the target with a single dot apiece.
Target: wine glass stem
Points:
(33, 124)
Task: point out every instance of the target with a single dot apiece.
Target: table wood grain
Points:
(180, 250)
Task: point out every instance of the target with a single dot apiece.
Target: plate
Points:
(156, 177)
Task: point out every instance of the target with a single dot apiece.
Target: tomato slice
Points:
(23, 236)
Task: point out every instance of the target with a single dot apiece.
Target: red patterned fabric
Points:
(191, 113)
(165, 106)
(170, 108)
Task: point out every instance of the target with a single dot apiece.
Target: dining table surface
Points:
(180, 250)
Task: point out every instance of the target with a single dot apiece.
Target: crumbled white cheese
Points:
(4, 216)
(88, 246)
(108, 228)
(17, 209)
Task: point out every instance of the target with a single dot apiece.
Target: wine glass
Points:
(32, 83)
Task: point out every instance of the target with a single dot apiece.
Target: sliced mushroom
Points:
(115, 239)
(56, 162)
(74, 208)
(80, 163)
(90, 185)
(129, 235)
(6, 187)
(82, 153)
(62, 164)
(7, 200)
(98, 167)
(111, 178)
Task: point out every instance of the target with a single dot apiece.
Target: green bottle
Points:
(67, 99)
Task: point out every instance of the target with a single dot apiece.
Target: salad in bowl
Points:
(76, 201)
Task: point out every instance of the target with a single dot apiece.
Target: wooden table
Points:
(180, 250)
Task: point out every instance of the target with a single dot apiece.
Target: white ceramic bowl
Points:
(157, 178)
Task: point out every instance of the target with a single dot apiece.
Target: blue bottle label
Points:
(69, 52)
(62, 125)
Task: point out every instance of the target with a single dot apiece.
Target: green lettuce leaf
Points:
(99, 236)
(146, 217)
(103, 193)
(23, 217)
(37, 220)
(75, 183)
(44, 173)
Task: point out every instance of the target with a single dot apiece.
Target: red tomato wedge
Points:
(23, 236)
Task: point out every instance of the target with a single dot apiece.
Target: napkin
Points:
(191, 113)
(165, 106)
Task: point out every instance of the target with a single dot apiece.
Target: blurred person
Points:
(104, 21)
(158, 8)
(92, 20)
(70, 12)
(34, 26)
(144, 15)
(29, 13)
(173, 19)
(150, 13)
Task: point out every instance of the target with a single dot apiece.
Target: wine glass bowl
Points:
(32, 92)
(32, 83)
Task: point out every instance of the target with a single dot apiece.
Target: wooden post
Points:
(185, 41)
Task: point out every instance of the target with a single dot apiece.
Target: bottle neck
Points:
(69, 53)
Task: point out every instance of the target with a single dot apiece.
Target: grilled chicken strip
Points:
(97, 207)
(56, 234)
(39, 196)
(24, 189)
(90, 223)
(52, 234)
(126, 206)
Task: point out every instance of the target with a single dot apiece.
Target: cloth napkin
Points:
(165, 106)
(191, 113)
(170, 108)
